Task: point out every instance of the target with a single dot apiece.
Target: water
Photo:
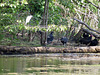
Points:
(51, 64)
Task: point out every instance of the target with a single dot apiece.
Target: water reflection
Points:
(51, 64)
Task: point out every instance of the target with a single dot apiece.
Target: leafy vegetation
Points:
(60, 18)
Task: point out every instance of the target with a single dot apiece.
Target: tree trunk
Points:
(1, 1)
(45, 17)
(31, 36)
(22, 33)
(77, 36)
(47, 6)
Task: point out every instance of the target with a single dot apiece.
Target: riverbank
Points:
(31, 50)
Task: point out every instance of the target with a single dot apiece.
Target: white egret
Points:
(28, 19)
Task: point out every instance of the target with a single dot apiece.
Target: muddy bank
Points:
(32, 50)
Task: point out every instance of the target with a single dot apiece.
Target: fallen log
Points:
(31, 50)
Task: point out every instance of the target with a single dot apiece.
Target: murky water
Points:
(51, 64)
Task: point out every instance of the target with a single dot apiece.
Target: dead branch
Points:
(94, 5)
(86, 25)
(90, 32)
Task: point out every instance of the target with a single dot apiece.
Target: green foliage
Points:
(60, 13)
(20, 26)
(55, 16)
(1, 36)
(60, 28)
(12, 6)
(5, 19)
(92, 8)
(66, 3)
(99, 23)
(36, 6)
(57, 28)
(10, 11)
(11, 29)
(1, 32)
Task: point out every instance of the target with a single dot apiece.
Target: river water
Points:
(51, 64)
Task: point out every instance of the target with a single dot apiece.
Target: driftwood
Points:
(32, 50)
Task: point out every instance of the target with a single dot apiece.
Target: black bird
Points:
(86, 39)
(94, 42)
(85, 35)
(50, 38)
(64, 40)
(40, 32)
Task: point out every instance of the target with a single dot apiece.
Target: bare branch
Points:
(93, 4)
(86, 25)
(90, 32)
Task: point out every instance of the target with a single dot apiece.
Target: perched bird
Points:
(40, 32)
(85, 35)
(94, 42)
(64, 40)
(86, 39)
(50, 38)
(28, 18)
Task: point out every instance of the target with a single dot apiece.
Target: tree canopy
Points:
(60, 16)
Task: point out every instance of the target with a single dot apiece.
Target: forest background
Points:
(59, 16)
